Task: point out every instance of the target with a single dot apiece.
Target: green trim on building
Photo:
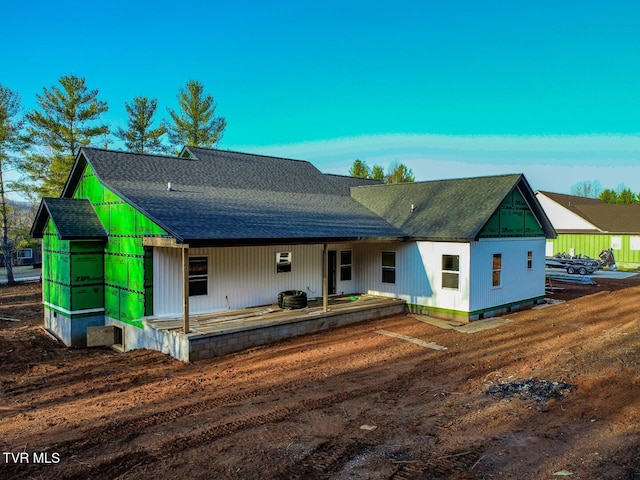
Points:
(513, 218)
(462, 313)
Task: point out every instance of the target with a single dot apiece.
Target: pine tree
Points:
(359, 169)
(399, 173)
(11, 142)
(377, 172)
(139, 137)
(195, 124)
(608, 196)
(65, 123)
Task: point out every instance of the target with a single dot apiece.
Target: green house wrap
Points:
(93, 254)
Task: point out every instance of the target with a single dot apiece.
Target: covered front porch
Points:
(220, 333)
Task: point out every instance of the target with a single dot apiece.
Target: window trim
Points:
(346, 266)
(388, 268)
(450, 272)
(286, 265)
(495, 271)
(199, 277)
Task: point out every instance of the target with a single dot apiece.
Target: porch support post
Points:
(325, 278)
(185, 287)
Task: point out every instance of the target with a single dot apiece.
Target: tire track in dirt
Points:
(126, 431)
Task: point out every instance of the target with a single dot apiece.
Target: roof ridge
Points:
(252, 154)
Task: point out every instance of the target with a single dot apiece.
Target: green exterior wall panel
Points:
(592, 244)
(513, 218)
(87, 297)
(127, 266)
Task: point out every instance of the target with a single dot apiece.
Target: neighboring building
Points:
(241, 228)
(587, 226)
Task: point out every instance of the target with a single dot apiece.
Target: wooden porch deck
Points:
(230, 321)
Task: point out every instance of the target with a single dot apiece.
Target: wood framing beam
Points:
(166, 242)
(325, 278)
(185, 288)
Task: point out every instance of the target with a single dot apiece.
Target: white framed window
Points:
(198, 276)
(529, 259)
(496, 270)
(25, 253)
(388, 267)
(451, 271)
(634, 243)
(616, 243)
(283, 262)
(346, 257)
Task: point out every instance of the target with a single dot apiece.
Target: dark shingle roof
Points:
(343, 184)
(75, 219)
(613, 218)
(454, 209)
(569, 201)
(606, 217)
(221, 196)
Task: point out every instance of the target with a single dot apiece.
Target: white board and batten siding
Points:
(517, 281)
(239, 277)
(418, 273)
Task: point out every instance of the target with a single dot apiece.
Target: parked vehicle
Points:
(580, 264)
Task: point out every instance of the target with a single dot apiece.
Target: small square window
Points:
(283, 262)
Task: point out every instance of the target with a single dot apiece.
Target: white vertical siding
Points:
(518, 283)
(238, 277)
(418, 273)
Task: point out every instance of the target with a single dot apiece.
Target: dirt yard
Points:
(346, 404)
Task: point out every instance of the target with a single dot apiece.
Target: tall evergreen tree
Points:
(625, 195)
(399, 173)
(68, 119)
(139, 137)
(608, 196)
(359, 169)
(11, 143)
(377, 172)
(195, 124)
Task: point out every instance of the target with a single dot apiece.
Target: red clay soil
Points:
(296, 410)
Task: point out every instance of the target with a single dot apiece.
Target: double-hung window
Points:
(345, 265)
(451, 271)
(388, 267)
(496, 271)
(198, 276)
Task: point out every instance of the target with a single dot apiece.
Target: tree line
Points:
(43, 143)
(397, 172)
(593, 189)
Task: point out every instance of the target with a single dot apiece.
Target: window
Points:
(26, 253)
(450, 271)
(283, 262)
(388, 267)
(496, 270)
(198, 276)
(345, 265)
(529, 260)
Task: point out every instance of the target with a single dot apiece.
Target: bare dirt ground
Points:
(295, 410)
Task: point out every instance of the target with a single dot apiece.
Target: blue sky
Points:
(550, 89)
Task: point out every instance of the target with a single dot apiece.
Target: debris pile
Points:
(538, 390)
